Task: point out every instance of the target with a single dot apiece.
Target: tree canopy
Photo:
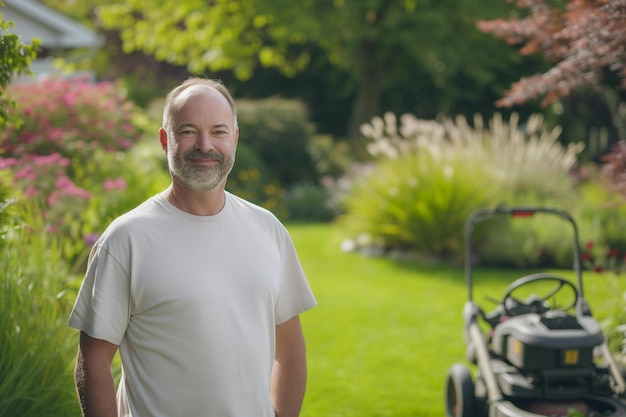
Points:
(376, 42)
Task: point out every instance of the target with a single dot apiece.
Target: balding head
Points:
(184, 88)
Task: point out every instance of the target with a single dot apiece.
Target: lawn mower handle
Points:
(521, 211)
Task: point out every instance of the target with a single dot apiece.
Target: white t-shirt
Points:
(192, 302)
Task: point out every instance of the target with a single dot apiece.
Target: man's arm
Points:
(94, 377)
(289, 371)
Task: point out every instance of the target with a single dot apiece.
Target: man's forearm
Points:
(289, 372)
(95, 389)
(288, 387)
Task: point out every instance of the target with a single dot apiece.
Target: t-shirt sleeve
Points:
(295, 295)
(102, 307)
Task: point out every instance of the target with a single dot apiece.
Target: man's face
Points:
(201, 152)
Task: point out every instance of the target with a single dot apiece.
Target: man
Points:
(200, 290)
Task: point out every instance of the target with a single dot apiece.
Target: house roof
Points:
(55, 30)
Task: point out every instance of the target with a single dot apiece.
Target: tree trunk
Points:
(367, 102)
(366, 105)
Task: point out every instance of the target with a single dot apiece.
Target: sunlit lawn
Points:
(384, 333)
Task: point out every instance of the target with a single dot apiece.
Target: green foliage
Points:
(604, 213)
(428, 176)
(331, 157)
(217, 36)
(15, 59)
(280, 163)
(250, 179)
(257, 179)
(523, 243)
(7, 211)
(310, 202)
(279, 131)
(37, 347)
(614, 312)
(417, 201)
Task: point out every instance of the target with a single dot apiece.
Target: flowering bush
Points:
(71, 117)
(44, 178)
(67, 150)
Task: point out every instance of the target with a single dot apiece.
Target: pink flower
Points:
(7, 163)
(124, 143)
(117, 184)
(53, 158)
(28, 137)
(70, 98)
(65, 186)
(53, 198)
(63, 182)
(26, 173)
(30, 191)
(56, 133)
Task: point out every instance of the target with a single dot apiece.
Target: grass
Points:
(384, 333)
(36, 345)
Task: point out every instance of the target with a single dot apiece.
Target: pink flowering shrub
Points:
(43, 176)
(67, 152)
(71, 117)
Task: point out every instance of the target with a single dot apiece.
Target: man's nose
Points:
(204, 142)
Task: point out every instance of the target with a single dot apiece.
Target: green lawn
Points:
(384, 333)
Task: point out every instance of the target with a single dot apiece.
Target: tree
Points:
(376, 42)
(584, 40)
(15, 58)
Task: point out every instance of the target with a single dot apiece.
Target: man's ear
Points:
(163, 139)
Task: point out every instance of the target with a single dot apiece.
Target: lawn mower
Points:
(540, 352)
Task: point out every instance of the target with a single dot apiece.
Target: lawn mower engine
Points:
(547, 356)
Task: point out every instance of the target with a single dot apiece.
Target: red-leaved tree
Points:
(584, 38)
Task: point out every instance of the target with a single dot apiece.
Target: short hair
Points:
(172, 95)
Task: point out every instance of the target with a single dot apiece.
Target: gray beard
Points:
(199, 178)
